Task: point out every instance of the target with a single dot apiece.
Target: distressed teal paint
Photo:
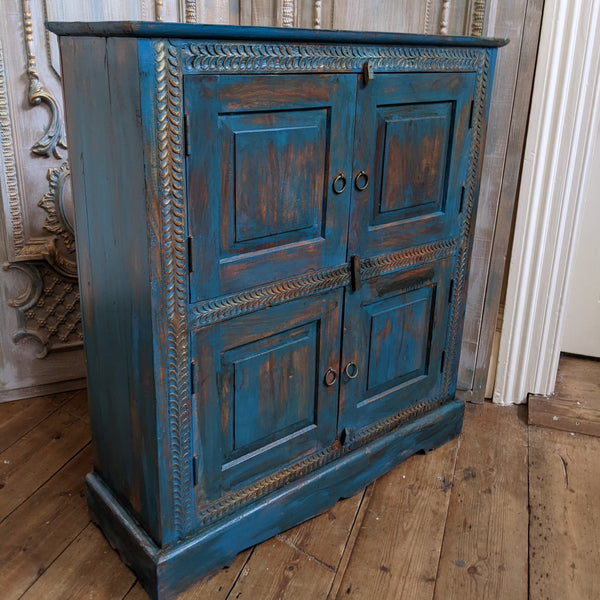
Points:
(262, 335)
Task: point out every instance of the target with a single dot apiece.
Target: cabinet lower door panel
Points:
(262, 401)
(394, 334)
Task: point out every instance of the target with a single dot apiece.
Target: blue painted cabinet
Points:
(273, 235)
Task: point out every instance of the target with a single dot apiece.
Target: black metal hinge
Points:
(186, 133)
(196, 468)
(472, 113)
(190, 253)
(355, 272)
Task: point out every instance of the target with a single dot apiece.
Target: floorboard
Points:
(484, 551)
(39, 454)
(88, 568)
(21, 416)
(43, 526)
(564, 556)
(575, 404)
(397, 550)
(450, 524)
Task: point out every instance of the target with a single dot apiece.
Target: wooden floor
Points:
(507, 511)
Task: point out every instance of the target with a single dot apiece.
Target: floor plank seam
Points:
(135, 582)
(40, 574)
(282, 538)
(59, 407)
(437, 571)
(351, 541)
(241, 571)
(39, 487)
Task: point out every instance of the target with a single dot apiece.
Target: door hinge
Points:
(471, 114)
(192, 377)
(355, 272)
(368, 73)
(186, 133)
(190, 253)
(196, 468)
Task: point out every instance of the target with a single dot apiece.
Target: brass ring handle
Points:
(340, 178)
(330, 377)
(357, 181)
(351, 370)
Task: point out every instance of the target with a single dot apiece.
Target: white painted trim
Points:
(565, 102)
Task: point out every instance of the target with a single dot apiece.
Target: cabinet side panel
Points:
(104, 124)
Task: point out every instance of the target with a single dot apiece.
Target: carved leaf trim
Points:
(169, 99)
(231, 56)
(233, 305)
(235, 500)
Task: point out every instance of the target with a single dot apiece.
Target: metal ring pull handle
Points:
(365, 181)
(351, 370)
(339, 183)
(330, 377)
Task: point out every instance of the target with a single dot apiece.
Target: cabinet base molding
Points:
(165, 572)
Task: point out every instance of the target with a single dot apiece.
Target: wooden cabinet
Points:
(273, 232)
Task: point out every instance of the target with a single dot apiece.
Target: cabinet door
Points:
(395, 330)
(264, 152)
(411, 156)
(260, 391)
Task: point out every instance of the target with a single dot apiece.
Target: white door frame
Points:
(565, 110)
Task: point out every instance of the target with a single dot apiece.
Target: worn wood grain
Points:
(314, 547)
(214, 587)
(351, 542)
(397, 550)
(565, 519)
(19, 417)
(484, 552)
(278, 570)
(43, 526)
(575, 405)
(509, 22)
(325, 537)
(88, 568)
(474, 369)
(39, 454)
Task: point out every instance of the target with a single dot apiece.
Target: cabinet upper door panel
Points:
(395, 330)
(263, 154)
(412, 134)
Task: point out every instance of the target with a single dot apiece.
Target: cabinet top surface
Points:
(150, 29)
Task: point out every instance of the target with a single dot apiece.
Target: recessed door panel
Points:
(413, 160)
(399, 338)
(410, 160)
(395, 330)
(260, 392)
(263, 155)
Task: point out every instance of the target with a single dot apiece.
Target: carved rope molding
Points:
(227, 57)
(288, 13)
(169, 133)
(8, 160)
(234, 305)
